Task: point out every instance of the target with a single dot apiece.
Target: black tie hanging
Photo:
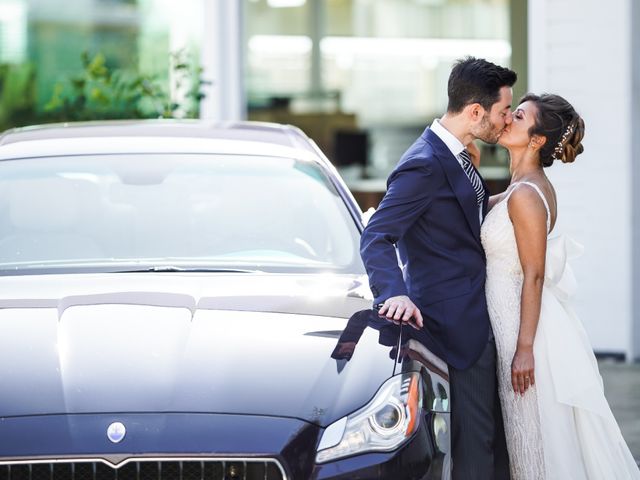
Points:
(473, 175)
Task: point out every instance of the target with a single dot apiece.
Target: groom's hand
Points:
(401, 309)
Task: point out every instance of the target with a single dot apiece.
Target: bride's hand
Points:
(474, 153)
(522, 367)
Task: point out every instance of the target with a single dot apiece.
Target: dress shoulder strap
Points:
(544, 199)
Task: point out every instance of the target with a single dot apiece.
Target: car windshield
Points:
(171, 212)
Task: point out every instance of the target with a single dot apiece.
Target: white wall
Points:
(635, 133)
(581, 49)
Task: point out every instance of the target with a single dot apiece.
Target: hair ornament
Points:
(557, 153)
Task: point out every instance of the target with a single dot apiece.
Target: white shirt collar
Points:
(452, 143)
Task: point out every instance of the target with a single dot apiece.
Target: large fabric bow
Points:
(561, 338)
(559, 276)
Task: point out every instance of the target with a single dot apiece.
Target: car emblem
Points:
(116, 432)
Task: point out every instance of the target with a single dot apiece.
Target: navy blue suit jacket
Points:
(430, 213)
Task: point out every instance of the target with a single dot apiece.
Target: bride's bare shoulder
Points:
(531, 194)
(526, 203)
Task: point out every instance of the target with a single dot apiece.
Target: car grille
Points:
(145, 470)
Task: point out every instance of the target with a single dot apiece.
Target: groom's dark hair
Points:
(475, 80)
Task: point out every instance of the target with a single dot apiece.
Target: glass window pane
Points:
(50, 37)
(372, 67)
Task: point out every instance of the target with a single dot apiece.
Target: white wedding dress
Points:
(562, 428)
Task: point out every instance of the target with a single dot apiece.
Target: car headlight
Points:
(388, 420)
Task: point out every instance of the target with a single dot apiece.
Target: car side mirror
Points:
(367, 215)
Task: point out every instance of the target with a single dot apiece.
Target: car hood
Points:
(222, 343)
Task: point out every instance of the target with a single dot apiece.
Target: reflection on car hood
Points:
(251, 344)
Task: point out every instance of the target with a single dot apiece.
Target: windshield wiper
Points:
(174, 269)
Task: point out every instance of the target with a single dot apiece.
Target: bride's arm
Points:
(529, 218)
(474, 153)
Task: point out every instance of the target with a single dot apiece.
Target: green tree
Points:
(101, 93)
(17, 95)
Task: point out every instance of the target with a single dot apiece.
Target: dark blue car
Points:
(183, 300)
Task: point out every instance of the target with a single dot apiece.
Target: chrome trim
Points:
(333, 434)
(118, 465)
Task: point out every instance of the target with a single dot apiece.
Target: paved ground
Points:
(622, 388)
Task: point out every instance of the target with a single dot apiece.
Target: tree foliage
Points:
(103, 93)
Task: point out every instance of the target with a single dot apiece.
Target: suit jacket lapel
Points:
(458, 180)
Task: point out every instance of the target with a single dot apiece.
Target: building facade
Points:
(589, 53)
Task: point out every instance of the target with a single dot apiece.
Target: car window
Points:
(99, 212)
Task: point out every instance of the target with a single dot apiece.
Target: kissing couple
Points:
(487, 289)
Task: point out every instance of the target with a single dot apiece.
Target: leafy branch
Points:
(102, 93)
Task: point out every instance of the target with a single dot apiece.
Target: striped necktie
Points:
(473, 175)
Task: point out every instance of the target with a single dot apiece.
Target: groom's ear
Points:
(474, 112)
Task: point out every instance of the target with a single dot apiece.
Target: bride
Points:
(558, 423)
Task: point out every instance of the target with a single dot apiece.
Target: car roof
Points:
(155, 136)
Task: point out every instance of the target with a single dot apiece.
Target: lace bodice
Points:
(498, 237)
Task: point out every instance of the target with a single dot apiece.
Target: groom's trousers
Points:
(478, 445)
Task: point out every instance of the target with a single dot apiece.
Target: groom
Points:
(432, 211)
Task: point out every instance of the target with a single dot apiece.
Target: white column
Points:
(634, 19)
(581, 49)
(317, 21)
(223, 61)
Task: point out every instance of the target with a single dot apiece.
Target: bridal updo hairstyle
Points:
(563, 128)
